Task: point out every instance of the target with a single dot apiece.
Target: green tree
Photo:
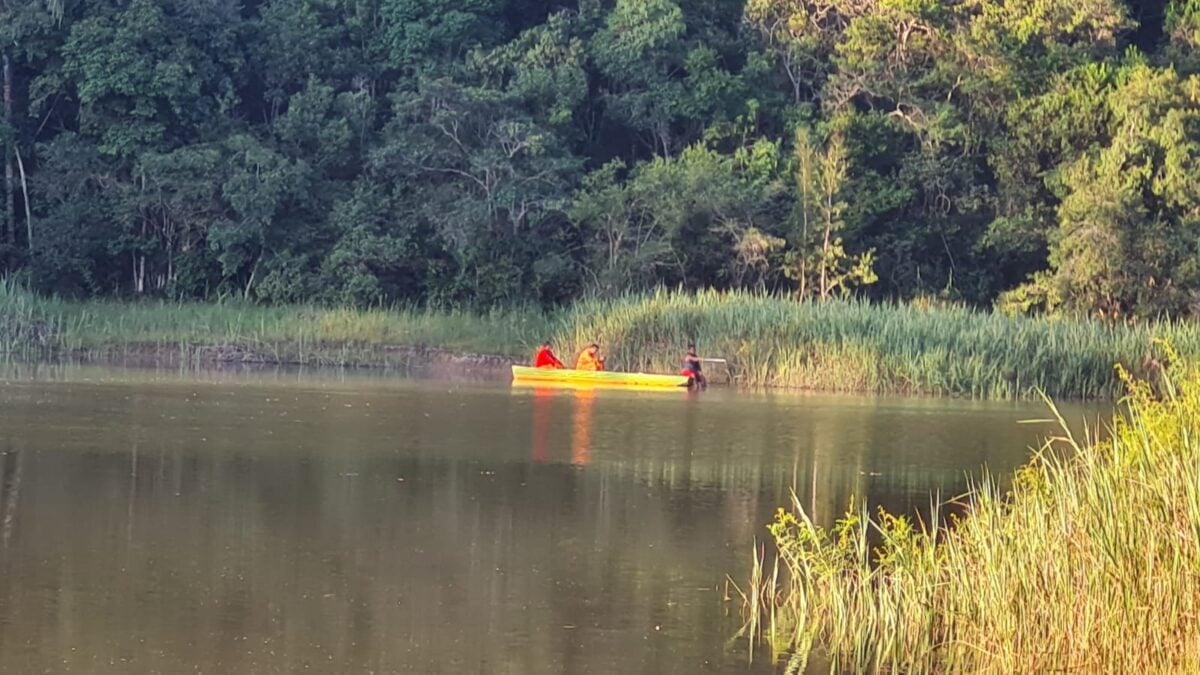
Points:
(294, 42)
(149, 78)
(818, 261)
(545, 68)
(640, 51)
(628, 246)
(77, 209)
(1045, 134)
(492, 183)
(421, 33)
(801, 36)
(378, 254)
(501, 151)
(29, 30)
(1126, 244)
(702, 218)
(1182, 26)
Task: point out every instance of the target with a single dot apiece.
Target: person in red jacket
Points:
(545, 358)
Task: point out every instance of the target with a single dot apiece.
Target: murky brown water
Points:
(282, 522)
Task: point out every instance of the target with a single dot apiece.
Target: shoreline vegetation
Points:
(36, 327)
(1089, 563)
(769, 341)
(844, 346)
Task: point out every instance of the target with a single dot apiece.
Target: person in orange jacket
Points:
(545, 358)
(589, 359)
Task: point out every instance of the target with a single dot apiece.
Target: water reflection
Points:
(11, 470)
(581, 437)
(543, 411)
(167, 523)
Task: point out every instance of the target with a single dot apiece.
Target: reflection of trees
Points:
(205, 529)
(543, 410)
(227, 570)
(414, 533)
(11, 470)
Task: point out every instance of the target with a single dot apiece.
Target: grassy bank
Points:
(1090, 564)
(37, 326)
(773, 342)
(855, 346)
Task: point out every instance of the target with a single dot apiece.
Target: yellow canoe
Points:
(527, 374)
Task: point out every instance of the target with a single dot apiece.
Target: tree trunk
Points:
(250, 282)
(25, 201)
(825, 264)
(10, 203)
(804, 246)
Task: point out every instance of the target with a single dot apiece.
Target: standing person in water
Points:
(691, 366)
(546, 359)
(590, 359)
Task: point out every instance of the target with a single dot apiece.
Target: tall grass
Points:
(858, 346)
(768, 341)
(289, 332)
(1091, 563)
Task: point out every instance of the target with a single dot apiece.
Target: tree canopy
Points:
(1038, 155)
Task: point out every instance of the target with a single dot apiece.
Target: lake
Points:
(328, 521)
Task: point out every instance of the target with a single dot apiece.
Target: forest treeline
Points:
(1037, 154)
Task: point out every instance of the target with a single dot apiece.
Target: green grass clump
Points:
(863, 347)
(24, 323)
(1090, 563)
(293, 333)
(768, 341)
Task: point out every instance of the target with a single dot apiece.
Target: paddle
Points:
(728, 375)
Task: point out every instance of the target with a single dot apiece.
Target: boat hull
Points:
(592, 377)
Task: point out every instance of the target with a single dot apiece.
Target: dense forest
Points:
(1041, 155)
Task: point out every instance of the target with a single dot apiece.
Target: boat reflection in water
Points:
(550, 400)
(544, 401)
(581, 436)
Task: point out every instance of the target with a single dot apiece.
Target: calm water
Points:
(281, 522)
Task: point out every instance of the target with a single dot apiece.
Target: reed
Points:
(1090, 562)
(863, 347)
(768, 341)
(35, 325)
